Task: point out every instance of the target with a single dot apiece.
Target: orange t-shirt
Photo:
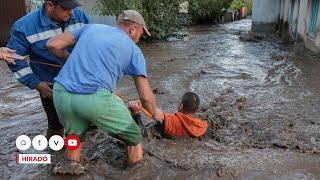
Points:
(181, 125)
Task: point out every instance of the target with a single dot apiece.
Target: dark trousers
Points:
(53, 120)
(152, 130)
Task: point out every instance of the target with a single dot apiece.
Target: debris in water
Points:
(158, 90)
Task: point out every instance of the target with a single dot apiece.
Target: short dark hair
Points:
(190, 102)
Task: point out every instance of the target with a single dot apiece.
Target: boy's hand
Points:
(158, 115)
(135, 107)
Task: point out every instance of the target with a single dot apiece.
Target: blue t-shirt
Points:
(100, 58)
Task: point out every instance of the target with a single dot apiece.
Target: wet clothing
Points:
(174, 125)
(152, 130)
(83, 90)
(181, 125)
(53, 120)
(103, 108)
(29, 36)
(101, 57)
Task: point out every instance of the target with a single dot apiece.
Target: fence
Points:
(109, 20)
(10, 11)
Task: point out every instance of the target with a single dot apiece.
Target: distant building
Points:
(295, 19)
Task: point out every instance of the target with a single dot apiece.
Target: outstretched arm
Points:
(58, 44)
(147, 98)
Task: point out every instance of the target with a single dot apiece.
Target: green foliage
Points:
(242, 3)
(162, 16)
(227, 3)
(205, 10)
(114, 7)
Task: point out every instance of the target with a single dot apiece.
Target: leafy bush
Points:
(162, 16)
(205, 10)
(242, 3)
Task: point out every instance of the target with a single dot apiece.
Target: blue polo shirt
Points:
(29, 36)
(100, 58)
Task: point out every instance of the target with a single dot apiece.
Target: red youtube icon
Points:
(72, 142)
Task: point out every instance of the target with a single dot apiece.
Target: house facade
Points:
(298, 20)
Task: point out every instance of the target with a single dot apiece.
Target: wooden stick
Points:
(146, 112)
(36, 62)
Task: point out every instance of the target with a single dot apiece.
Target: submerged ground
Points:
(262, 97)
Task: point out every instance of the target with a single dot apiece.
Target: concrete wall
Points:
(311, 43)
(302, 20)
(268, 14)
(317, 40)
(265, 15)
(293, 25)
(282, 9)
(299, 28)
(285, 27)
(287, 10)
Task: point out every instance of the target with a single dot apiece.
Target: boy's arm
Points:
(136, 107)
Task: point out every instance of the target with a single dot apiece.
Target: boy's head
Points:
(189, 103)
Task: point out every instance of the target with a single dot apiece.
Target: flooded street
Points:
(262, 102)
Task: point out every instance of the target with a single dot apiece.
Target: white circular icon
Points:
(39, 142)
(56, 142)
(23, 142)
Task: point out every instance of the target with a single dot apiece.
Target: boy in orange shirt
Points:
(180, 124)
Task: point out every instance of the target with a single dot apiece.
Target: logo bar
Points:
(33, 158)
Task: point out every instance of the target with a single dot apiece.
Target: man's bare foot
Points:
(69, 167)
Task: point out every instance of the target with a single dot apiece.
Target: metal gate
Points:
(10, 11)
(314, 18)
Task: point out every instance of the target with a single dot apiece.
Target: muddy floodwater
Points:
(260, 95)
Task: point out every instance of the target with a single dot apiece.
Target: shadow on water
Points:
(262, 102)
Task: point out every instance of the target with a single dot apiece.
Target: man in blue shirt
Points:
(29, 36)
(84, 91)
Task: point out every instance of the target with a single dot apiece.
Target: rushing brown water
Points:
(263, 103)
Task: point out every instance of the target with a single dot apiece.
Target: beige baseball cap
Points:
(134, 16)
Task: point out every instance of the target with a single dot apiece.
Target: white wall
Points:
(282, 9)
(266, 11)
(317, 40)
(302, 21)
(287, 10)
(293, 25)
(303, 26)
